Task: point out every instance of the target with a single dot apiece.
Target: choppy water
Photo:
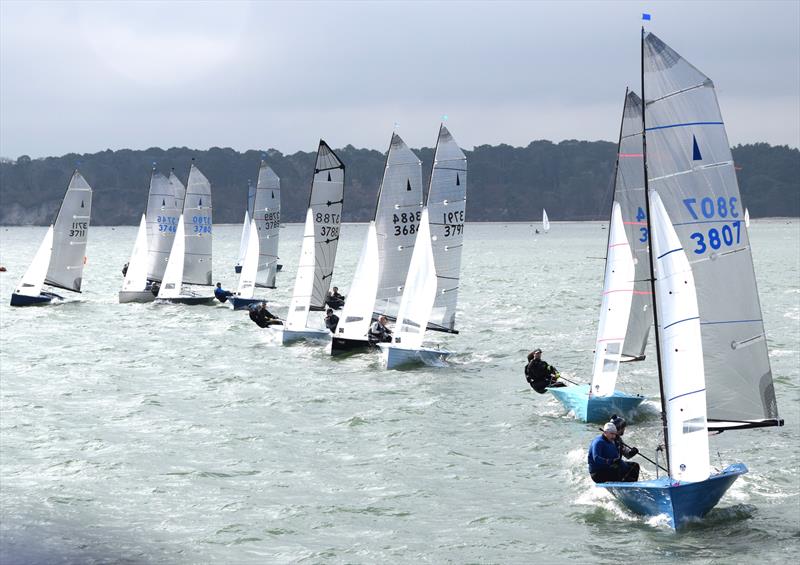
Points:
(171, 434)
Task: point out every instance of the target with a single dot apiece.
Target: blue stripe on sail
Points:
(720, 221)
(680, 321)
(731, 322)
(668, 252)
(685, 394)
(686, 124)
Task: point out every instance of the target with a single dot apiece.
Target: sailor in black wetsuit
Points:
(378, 332)
(222, 294)
(331, 321)
(539, 374)
(262, 317)
(334, 299)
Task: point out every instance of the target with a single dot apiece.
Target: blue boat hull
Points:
(596, 408)
(41, 300)
(680, 502)
(397, 357)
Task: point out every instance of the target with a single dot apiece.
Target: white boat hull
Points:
(135, 296)
(395, 357)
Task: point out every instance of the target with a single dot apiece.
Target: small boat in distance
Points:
(61, 256)
(545, 221)
(248, 214)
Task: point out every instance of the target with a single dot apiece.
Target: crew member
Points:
(331, 320)
(378, 332)
(605, 463)
(334, 299)
(222, 294)
(539, 374)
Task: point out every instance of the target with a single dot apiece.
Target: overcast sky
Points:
(88, 76)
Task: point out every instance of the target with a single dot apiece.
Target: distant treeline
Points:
(571, 179)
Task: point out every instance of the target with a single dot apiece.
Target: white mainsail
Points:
(267, 214)
(682, 373)
(396, 221)
(545, 221)
(357, 313)
(325, 201)
(70, 232)
(419, 291)
(197, 218)
(629, 193)
(297, 317)
(689, 164)
(173, 274)
(447, 199)
(247, 278)
(615, 307)
(162, 221)
(136, 275)
(33, 279)
(178, 191)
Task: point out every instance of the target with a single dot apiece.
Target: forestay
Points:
(325, 202)
(197, 218)
(447, 199)
(690, 165)
(396, 221)
(629, 193)
(33, 279)
(173, 274)
(615, 307)
(267, 214)
(162, 222)
(247, 278)
(357, 313)
(136, 274)
(419, 290)
(70, 232)
(682, 376)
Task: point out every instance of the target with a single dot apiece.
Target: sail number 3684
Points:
(409, 221)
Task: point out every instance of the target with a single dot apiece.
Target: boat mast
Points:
(652, 270)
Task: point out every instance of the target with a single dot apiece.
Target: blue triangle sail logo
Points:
(696, 156)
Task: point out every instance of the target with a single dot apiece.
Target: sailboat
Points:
(318, 253)
(713, 363)
(545, 221)
(625, 312)
(61, 255)
(248, 213)
(397, 218)
(190, 257)
(746, 218)
(430, 293)
(267, 217)
(161, 220)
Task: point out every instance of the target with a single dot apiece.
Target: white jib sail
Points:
(173, 274)
(615, 307)
(297, 317)
(136, 275)
(746, 218)
(357, 314)
(682, 370)
(247, 278)
(545, 221)
(243, 243)
(33, 279)
(419, 291)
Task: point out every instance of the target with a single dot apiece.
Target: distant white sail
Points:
(681, 351)
(136, 275)
(33, 279)
(247, 278)
(70, 232)
(746, 218)
(396, 222)
(357, 313)
(545, 221)
(419, 290)
(267, 214)
(173, 274)
(615, 307)
(197, 218)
